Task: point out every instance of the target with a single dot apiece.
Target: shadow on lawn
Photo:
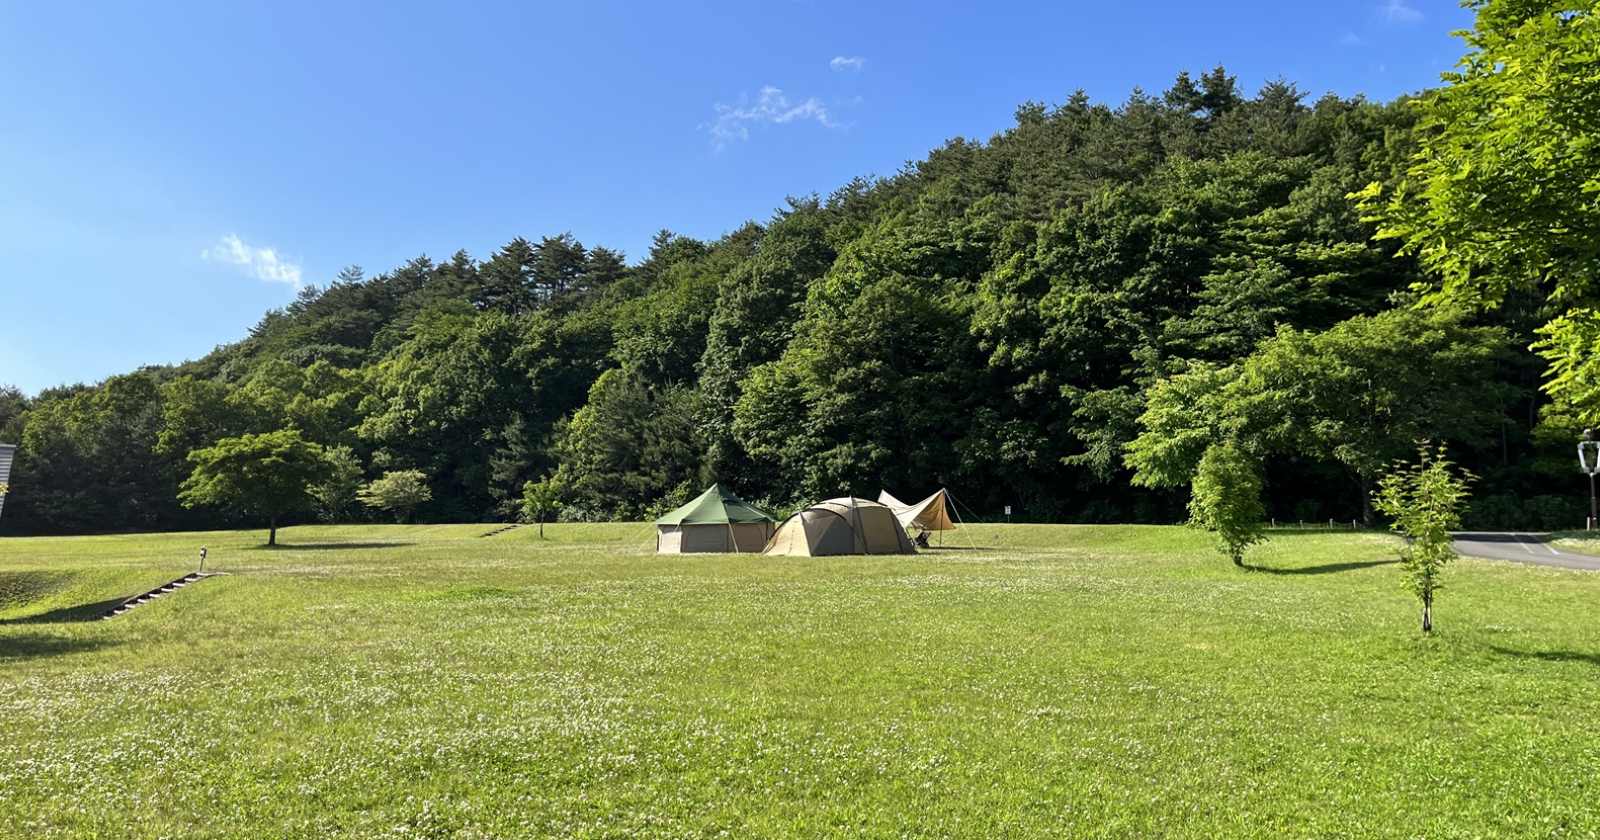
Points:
(1549, 655)
(37, 645)
(1518, 538)
(21, 587)
(1325, 569)
(69, 615)
(331, 546)
(1322, 531)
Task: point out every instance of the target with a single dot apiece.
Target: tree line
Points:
(1064, 318)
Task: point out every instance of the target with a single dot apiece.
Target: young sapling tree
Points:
(1424, 500)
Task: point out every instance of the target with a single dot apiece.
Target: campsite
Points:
(604, 419)
(1057, 681)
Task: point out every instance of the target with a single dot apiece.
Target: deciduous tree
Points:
(266, 476)
(540, 501)
(1225, 499)
(399, 492)
(336, 495)
(1501, 193)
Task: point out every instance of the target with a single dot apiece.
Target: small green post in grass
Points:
(1425, 500)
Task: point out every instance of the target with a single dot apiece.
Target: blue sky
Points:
(168, 172)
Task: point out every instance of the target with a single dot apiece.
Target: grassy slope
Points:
(1077, 681)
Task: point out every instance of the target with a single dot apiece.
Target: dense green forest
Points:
(1062, 318)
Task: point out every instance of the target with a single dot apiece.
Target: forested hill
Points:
(1061, 318)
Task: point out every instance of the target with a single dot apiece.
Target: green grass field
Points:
(1056, 681)
(1583, 542)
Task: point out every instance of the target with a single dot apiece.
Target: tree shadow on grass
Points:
(1517, 537)
(70, 615)
(1549, 655)
(22, 587)
(1323, 531)
(332, 546)
(37, 645)
(1325, 569)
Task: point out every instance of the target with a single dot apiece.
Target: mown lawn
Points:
(1583, 542)
(1056, 681)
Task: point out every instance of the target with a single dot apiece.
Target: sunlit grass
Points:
(1583, 542)
(1024, 681)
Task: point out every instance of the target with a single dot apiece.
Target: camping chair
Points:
(921, 540)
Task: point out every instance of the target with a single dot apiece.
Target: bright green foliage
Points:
(399, 492)
(540, 501)
(1501, 195)
(627, 446)
(753, 321)
(320, 400)
(265, 476)
(1225, 499)
(335, 496)
(661, 334)
(1425, 500)
(13, 405)
(452, 373)
(883, 381)
(1357, 395)
(1183, 415)
(87, 459)
(196, 413)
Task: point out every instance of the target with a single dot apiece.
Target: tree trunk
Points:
(272, 532)
(1366, 499)
(541, 529)
(1427, 613)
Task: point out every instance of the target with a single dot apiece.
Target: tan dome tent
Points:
(841, 526)
(931, 514)
(715, 522)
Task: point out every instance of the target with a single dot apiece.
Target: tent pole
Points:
(953, 507)
(855, 523)
(647, 524)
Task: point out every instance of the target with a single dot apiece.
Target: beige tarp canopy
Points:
(930, 514)
(841, 526)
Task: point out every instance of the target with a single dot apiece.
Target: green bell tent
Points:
(716, 521)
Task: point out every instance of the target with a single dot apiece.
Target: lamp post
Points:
(1589, 462)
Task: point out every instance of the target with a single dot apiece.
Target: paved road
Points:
(1523, 547)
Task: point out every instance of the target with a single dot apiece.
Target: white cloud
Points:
(842, 62)
(1351, 39)
(1400, 11)
(771, 107)
(261, 263)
